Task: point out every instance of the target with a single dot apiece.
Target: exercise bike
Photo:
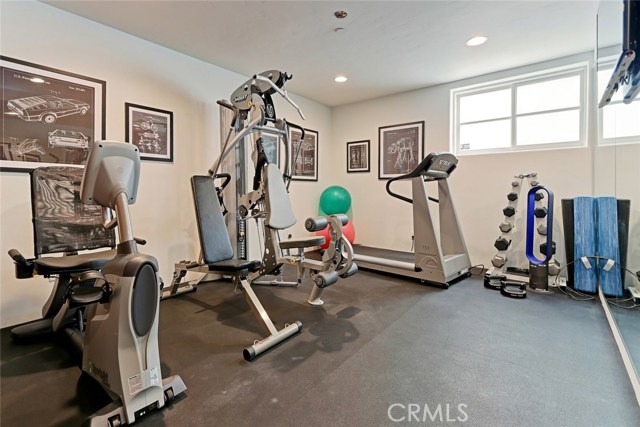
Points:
(120, 341)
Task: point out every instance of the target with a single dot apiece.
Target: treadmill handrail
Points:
(396, 195)
(419, 171)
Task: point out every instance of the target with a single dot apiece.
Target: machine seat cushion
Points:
(278, 206)
(303, 243)
(214, 237)
(73, 263)
(234, 265)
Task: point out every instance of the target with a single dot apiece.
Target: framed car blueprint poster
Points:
(49, 116)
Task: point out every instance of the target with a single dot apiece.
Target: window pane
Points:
(484, 136)
(549, 95)
(621, 120)
(485, 106)
(548, 128)
(603, 80)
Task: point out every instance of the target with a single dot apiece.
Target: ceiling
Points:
(384, 47)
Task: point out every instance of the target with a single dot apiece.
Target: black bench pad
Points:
(234, 265)
(303, 243)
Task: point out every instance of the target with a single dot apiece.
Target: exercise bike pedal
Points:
(82, 296)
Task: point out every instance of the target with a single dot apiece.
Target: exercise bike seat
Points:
(49, 266)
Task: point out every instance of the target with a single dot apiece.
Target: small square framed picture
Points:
(358, 154)
(151, 130)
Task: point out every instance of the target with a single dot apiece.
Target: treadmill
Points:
(437, 259)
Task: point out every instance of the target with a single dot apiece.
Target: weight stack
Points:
(624, 209)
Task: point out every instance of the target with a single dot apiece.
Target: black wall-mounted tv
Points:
(626, 74)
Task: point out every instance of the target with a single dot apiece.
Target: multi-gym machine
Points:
(119, 339)
(438, 258)
(268, 203)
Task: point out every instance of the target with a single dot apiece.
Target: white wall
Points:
(143, 73)
(480, 183)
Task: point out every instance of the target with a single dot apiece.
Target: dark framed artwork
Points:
(49, 116)
(358, 156)
(400, 148)
(151, 130)
(304, 155)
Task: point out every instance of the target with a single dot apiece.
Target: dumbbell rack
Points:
(510, 230)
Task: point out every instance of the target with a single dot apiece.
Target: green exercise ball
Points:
(335, 200)
(349, 213)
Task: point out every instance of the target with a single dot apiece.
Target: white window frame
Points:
(578, 69)
(608, 142)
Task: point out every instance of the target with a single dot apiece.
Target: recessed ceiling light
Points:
(340, 79)
(476, 41)
(37, 80)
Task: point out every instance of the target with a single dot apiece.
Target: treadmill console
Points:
(438, 166)
(434, 167)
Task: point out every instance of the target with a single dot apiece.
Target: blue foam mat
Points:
(607, 245)
(584, 278)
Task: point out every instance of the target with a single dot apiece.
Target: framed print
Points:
(304, 155)
(270, 148)
(400, 148)
(358, 156)
(49, 116)
(151, 130)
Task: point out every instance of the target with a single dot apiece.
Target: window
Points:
(617, 122)
(533, 111)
